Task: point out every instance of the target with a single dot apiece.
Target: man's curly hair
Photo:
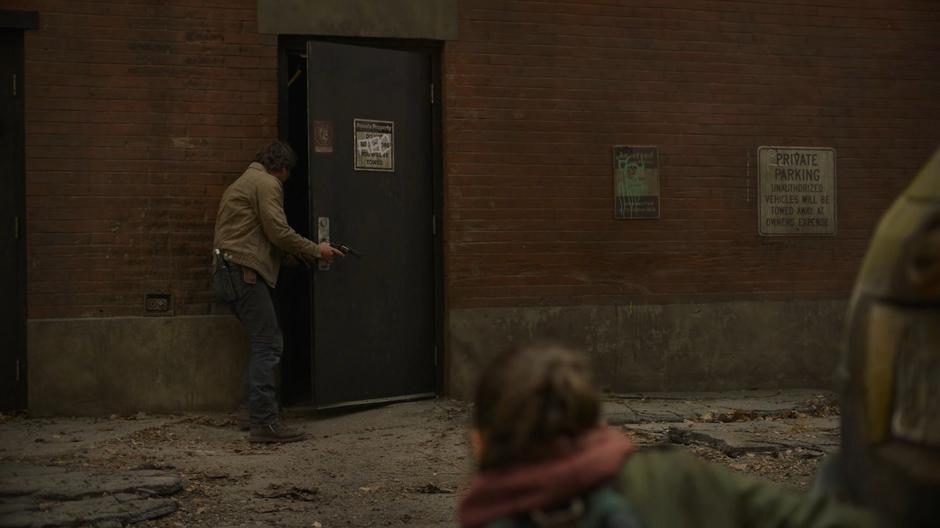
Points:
(276, 156)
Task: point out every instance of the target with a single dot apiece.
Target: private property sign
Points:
(797, 191)
(374, 143)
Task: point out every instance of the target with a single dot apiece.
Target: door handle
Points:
(323, 235)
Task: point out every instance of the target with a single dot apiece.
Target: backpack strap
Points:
(606, 508)
(602, 507)
(505, 522)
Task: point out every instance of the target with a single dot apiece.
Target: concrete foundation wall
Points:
(129, 364)
(707, 346)
(124, 365)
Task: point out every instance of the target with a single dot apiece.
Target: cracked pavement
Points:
(396, 465)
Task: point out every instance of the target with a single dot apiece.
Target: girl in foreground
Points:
(545, 460)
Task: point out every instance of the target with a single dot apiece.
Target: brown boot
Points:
(274, 432)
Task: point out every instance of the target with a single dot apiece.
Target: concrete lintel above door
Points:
(406, 19)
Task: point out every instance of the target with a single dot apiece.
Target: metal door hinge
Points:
(432, 93)
(14, 85)
(435, 355)
(16, 227)
(433, 224)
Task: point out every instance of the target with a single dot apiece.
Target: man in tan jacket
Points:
(251, 238)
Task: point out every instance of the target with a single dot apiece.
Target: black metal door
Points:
(12, 246)
(371, 188)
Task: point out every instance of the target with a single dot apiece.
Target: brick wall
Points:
(139, 113)
(538, 91)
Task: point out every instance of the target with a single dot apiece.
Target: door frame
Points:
(16, 23)
(297, 44)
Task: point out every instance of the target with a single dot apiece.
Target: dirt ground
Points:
(398, 465)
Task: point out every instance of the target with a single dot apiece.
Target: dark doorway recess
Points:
(13, 388)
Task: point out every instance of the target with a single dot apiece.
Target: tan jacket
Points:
(251, 227)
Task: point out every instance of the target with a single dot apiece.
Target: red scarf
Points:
(579, 465)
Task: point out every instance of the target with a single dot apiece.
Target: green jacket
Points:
(673, 489)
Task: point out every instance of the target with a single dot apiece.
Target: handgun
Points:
(345, 249)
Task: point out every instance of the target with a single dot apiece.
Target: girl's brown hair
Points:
(529, 399)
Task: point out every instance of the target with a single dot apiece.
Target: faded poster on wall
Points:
(636, 182)
(374, 145)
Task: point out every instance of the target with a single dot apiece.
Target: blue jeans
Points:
(253, 306)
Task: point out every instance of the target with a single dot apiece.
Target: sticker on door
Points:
(323, 137)
(375, 145)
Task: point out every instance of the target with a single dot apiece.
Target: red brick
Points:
(537, 92)
(140, 114)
